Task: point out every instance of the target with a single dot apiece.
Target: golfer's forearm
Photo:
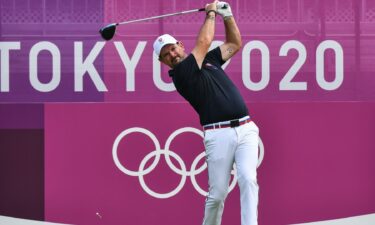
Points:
(232, 33)
(207, 31)
(204, 39)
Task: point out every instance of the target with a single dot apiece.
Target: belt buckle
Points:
(234, 123)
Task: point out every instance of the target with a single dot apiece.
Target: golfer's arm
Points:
(233, 40)
(205, 38)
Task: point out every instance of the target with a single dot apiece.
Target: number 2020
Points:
(286, 82)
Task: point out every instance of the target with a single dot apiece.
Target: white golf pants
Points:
(224, 147)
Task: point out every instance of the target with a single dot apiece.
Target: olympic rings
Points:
(166, 195)
(167, 153)
(122, 135)
(168, 143)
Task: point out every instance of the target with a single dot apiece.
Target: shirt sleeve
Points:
(214, 56)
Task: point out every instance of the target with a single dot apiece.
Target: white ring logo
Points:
(142, 171)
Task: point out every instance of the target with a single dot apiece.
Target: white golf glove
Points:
(223, 9)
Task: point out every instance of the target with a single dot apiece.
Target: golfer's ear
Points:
(179, 43)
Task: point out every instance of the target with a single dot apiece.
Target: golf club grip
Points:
(161, 16)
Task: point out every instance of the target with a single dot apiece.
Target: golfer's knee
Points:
(248, 181)
(217, 196)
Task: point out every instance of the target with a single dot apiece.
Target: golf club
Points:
(108, 31)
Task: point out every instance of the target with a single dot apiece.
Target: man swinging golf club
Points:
(229, 134)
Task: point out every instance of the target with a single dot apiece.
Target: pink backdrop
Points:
(317, 163)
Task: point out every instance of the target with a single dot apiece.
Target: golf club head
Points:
(108, 31)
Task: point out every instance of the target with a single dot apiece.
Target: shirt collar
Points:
(171, 73)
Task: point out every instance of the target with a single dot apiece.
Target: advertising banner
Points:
(51, 51)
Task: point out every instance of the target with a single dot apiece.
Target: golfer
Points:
(230, 136)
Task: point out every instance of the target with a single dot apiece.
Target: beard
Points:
(177, 60)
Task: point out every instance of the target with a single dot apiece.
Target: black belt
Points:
(226, 124)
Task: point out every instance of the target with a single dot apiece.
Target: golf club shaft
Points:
(161, 16)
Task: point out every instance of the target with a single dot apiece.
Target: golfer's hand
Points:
(211, 6)
(224, 10)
